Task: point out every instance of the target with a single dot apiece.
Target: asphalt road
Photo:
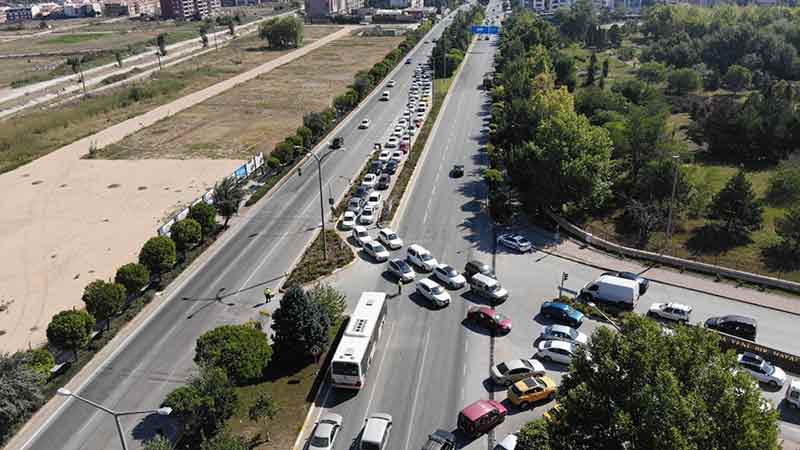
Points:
(159, 358)
(429, 364)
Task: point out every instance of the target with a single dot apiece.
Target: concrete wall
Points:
(673, 261)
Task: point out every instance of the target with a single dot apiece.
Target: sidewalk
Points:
(572, 250)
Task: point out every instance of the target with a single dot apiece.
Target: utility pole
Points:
(675, 159)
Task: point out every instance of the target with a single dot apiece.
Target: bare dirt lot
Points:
(261, 112)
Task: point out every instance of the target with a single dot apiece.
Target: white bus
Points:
(357, 348)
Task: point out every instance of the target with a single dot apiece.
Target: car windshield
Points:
(768, 368)
(391, 236)
(379, 248)
(425, 257)
(319, 441)
(502, 368)
(362, 233)
(494, 288)
(437, 289)
(449, 271)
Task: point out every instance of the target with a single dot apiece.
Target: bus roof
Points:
(360, 327)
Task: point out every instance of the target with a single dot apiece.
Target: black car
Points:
(476, 266)
(383, 181)
(391, 167)
(376, 167)
(644, 283)
(739, 326)
(338, 142)
(457, 171)
(440, 440)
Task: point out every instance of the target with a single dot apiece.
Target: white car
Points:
(761, 370)
(325, 432)
(348, 220)
(403, 122)
(369, 180)
(671, 311)
(390, 238)
(364, 124)
(556, 351)
(449, 276)
(391, 142)
(515, 241)
(406, 139)
(391, 83)
(421, 257)
(367, 216)
(399, 130)
(377, 251)
(508, 443)
(406, 114)
(384, 155)
(397, 156)
(374, 199)
(360, 235)
(563, 333)
(512, 371)
(433, 292)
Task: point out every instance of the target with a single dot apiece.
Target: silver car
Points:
(563, 333)
(325, 432)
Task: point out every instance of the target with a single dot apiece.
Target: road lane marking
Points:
(378, 375)
(416, 390)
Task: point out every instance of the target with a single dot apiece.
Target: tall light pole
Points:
(321, 201)
(675, 159)
(165, 411)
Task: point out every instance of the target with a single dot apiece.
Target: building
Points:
(405, 3)
(45, 9)
(83, 8)
(131, 8)
(328, 8)
(3, 18)
(549, 6)
(188, 9)
(230, 3)
(18, 14)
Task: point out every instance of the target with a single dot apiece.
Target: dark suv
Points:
(476, 266)
(440, 440)
(739, 326)
(561, 312)
(383, 181)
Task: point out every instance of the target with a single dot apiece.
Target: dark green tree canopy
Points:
(204, 404)
(283, 32)
(206, 215)
(20, 393)
(300, 326)
(133, 276)
(228, 194)
(186, 234)
(645, 389)
(104, 300)
(242, 351)
(158, 254)
(736, 209)
(70, 330)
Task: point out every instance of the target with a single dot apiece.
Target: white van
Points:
(376, 432)
(488, 287)
(793, 394)
(421, 257)
(609, 289)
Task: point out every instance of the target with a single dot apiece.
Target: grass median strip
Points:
(440, 88)
(313, 266)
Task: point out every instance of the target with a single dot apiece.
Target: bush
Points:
(41, 361)
(133, 276)
(681, 81)
(333, 301)
(20, 393)
(242, 351)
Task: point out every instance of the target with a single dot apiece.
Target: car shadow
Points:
(476, 299)
(514, 410)
(472, 326)
(542, 320)
(423, 302)
(491, 386)
(336, 397)
(364, 256)
(553, 366)
(788, 413)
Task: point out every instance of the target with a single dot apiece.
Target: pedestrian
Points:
(399, 287)
(267, 295)
(299, 171)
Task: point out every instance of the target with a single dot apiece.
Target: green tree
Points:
(636, 91)
(161, 43)
(652, 72)
(300, 326)
(615, 36)
(227, 197)
(240, 350)
(204, 36)
(20, 392)
(591, 71)
(784, 185)
(534, 436)
(40, 360)
(133, 276)
(565, 70)
(682, 81)
(226, 440)
(788, 229)
(70, 330)
(283, 32)
(711, 80)
(118, 57)
(737, 78)
(231, 28)
(203, 406)
(605, 68)
(264, 409)
(642, 387)
(736, 209)
(158, 254)
(333, 301)
(186, 233)
(206, 215)
(158, 442)
(104, 300)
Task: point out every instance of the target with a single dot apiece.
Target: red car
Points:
(489, 318)
(481, 416)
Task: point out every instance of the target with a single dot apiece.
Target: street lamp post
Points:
(675, 158)
(165, 411)
(591, 304)
(321, 200)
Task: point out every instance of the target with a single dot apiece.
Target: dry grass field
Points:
(260, 113)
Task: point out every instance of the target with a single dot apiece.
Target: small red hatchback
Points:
(489, 318)
(481, 416)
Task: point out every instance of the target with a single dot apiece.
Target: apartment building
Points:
(327, 8)
(18, 14)
(188, 9)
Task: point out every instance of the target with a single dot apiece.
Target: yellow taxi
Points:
(531, 390)
(551, 415)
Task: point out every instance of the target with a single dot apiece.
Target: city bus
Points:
(356, 350)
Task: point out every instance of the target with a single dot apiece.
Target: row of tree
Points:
(449, 50)
(232, 356)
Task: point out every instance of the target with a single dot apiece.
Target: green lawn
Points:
(75, 38)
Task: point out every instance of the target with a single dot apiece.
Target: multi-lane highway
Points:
(429, 365)
(265, 245)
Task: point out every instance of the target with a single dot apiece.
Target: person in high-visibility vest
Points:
(267, 295)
